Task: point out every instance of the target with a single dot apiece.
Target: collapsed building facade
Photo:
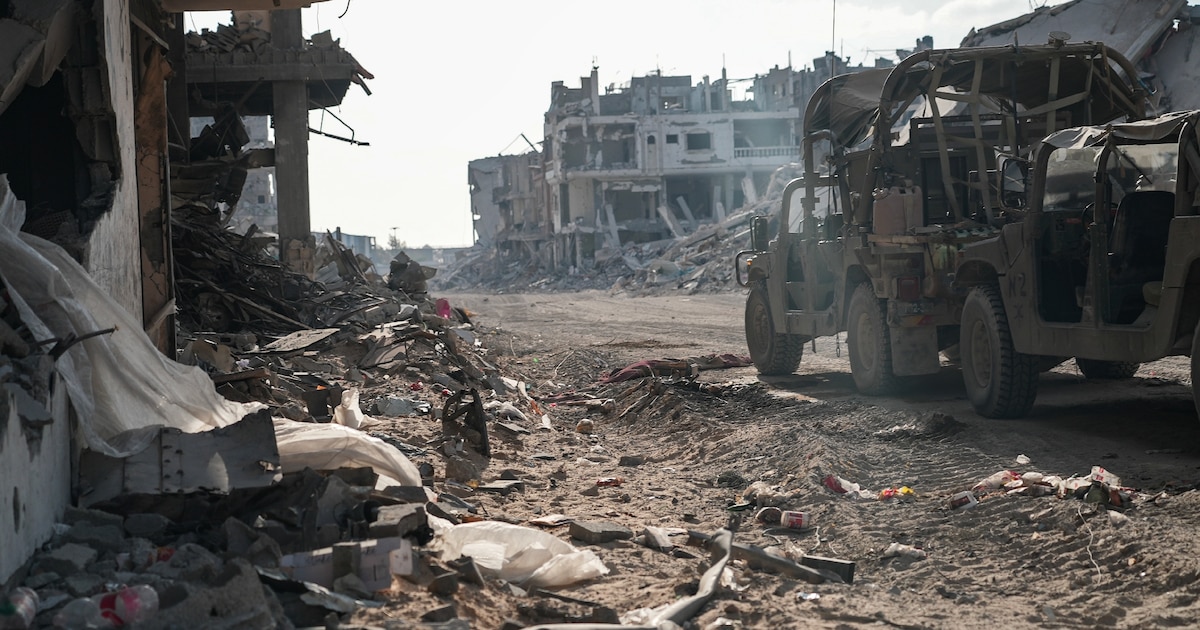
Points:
(96, 98)
(648, 161)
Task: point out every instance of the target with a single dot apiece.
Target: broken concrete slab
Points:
(149, 526)
(317, 566)
(399, 520)
(241, 455)
(76, 515)
(234, 592)
(99, 537)
(597, 532)
(68, 559)
(503, 486)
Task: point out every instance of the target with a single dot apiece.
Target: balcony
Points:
(791, 151)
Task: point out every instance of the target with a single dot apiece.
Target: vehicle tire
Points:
(1093, 369)
(869, 342)
(1000, 382)
(774, 354)
(1196, 368)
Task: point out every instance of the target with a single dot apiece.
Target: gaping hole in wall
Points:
(696, 192)
(575, 148)
(57, 142)
(42, 158)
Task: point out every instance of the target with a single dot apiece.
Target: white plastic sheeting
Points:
(518, 554)
(331, 446)
(116, 382)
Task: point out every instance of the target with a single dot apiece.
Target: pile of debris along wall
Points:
(261, 477)
(621, 197)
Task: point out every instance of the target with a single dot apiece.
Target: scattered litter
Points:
(898, 550)
(795, 520)
(964, 500)
(903, 493)
(520, 554)
(850, 489)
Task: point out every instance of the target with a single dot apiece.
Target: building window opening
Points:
(672, 138)
(699, 141)
(650, 140)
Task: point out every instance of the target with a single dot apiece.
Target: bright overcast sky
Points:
(456, 81)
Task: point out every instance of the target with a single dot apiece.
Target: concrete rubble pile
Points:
(699, 262)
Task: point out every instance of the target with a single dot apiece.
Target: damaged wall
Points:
(35, 478)
(113, 254)
(96, 209)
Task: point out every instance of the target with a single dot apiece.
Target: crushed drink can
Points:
(795, 520)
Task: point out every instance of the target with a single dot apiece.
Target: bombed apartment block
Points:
(654, 159)
(648, 161)
(508, 199)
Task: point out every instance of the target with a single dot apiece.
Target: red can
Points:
(795, 520)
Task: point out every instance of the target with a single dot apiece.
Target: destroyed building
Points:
(647, 161)
(654, 160)
(96, 98)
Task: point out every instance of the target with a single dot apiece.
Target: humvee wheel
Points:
(1196, 368)
(1000, 382)
(774, 354)
(1093, 369)
(869, 342)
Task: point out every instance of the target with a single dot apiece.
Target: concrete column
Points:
(291, 149)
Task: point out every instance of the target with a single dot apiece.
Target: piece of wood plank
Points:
(300, 340)
(244, 375)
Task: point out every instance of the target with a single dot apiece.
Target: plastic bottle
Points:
(110, 610)
(18, 609)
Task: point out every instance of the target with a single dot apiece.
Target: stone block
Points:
(75, 515)
(596, 532)
(407, 494)
(101, 537)
(146, 525)
(398, 520)
(461, 469)
(68, 559)
(503, 486)
(83, 584)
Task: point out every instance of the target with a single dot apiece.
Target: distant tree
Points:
(395, 243)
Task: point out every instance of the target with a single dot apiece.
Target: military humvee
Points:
(906, 169)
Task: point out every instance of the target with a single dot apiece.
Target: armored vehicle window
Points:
(1070, 179)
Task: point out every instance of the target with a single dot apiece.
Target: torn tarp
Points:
(332, 446)
(116, 382)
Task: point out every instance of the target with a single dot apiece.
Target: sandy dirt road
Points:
(1073, 417)
(729, 437)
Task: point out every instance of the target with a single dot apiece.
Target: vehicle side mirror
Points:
(758, 234)
(1014, 177)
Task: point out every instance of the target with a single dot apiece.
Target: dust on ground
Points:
(686, 449)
